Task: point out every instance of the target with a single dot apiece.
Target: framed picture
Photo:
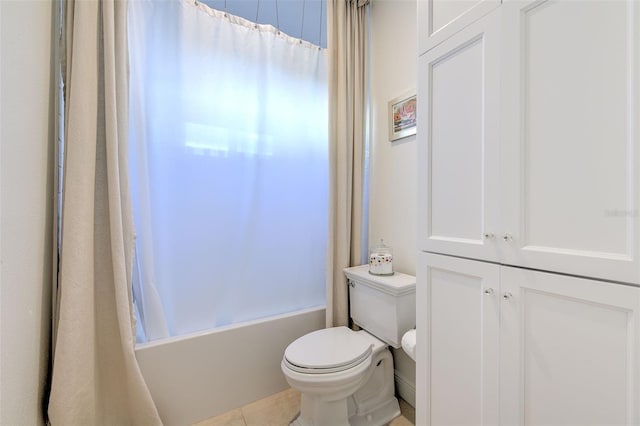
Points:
(402, 116)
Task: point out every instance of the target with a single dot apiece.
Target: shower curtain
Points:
(229, 168)
(347, 35)
(96, 379)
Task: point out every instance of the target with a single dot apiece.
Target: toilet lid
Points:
(327, 351)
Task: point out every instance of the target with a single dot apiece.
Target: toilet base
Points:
(314, 412)
(373, 404)
(380, 416)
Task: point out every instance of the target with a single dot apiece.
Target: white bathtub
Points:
(201, 375)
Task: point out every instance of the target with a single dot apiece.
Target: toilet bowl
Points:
(409, 343)
(346, 377)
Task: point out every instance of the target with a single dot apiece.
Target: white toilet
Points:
(345, 376)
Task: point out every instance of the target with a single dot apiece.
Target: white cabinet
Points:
(568, 350)
(440, 19)
(570, 142)
(529, 139)
(561, 350)
(457, 351)
(458, 131)
(529, 161)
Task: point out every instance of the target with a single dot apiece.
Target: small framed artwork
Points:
(402, 116)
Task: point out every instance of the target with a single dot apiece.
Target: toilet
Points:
(346, 377)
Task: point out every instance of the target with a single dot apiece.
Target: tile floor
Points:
(280, 409)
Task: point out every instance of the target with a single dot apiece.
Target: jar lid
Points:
(381, 247)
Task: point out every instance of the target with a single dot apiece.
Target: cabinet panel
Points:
(456, 151)
(440, 19)
(570, 136)
(569, 350)
(458, 147)
(460, 366)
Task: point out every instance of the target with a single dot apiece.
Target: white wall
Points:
(25, 208)
(393, 164)
(392, 204)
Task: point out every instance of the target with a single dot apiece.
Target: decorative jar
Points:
(381, 259)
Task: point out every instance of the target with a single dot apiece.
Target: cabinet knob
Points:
(488, 291)
(507, 237)
(489, 236)
(507, 296)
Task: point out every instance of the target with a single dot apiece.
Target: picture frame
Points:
(402, 116)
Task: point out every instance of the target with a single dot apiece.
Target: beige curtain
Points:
(96, 379)
(347, 47)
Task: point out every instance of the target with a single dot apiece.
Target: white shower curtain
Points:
(229, 168)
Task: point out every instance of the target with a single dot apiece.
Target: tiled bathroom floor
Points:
(280, 409)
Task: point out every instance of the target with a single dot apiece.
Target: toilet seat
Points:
(329, 350)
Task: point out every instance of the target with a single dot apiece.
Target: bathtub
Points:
(201, 375)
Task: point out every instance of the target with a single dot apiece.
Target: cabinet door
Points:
(457, 341)
(571, 137)
(569, 350)
(458, 132)
(440, 19)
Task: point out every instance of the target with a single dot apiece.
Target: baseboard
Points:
(405, 388)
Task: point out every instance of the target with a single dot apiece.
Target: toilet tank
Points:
(384, 305)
